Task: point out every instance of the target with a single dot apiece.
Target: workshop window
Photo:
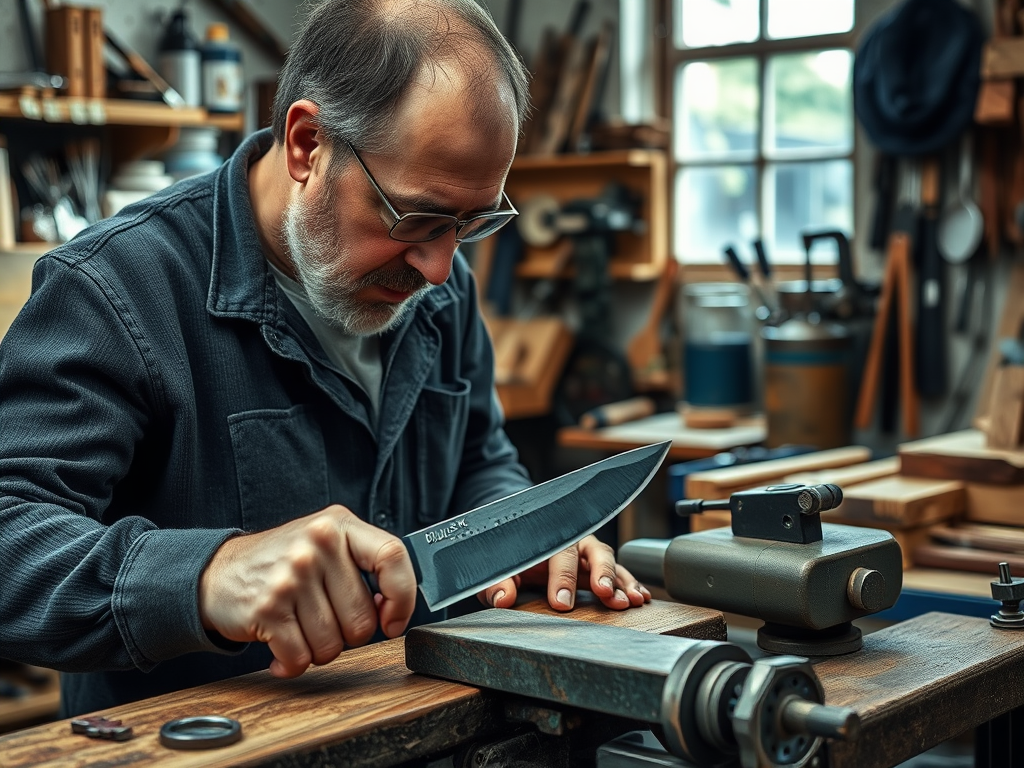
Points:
(760, 96)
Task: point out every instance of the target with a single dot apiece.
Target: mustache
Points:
(403, 279)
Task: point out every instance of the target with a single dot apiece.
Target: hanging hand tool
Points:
(895, 302)
(764, 311)
(930, 373)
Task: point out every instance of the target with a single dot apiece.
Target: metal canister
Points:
(807, 384)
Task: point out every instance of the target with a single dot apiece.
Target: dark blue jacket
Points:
(159, 393)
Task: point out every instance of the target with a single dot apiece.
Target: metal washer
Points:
(204, 732)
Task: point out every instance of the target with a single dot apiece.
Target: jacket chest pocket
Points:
(280, 464)
(441, 418)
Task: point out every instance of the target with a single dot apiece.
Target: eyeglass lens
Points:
(420, 229)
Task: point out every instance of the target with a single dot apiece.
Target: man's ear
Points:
(303, 141)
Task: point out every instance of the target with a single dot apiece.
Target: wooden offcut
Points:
(847, 476)
(722, 483)
(910, 501)
(964, 456)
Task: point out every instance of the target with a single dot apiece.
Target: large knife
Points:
(462, 555)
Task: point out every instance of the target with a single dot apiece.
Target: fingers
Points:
(562, 571)
(599, 559)
(501, 595)
(616, 587)
(385, 556)
(299, 588)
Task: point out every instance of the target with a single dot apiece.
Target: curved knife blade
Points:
(460, 556)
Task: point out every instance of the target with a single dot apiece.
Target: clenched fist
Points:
(299, 588)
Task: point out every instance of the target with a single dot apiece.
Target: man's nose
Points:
(433, 259)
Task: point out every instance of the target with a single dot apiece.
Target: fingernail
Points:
(564, 596)
(394, 629)
(497, 596)
(606, 582)
(620, 595)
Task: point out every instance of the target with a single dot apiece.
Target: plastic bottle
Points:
(181, 60)
(223, 84)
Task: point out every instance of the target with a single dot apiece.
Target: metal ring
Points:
(205, 732)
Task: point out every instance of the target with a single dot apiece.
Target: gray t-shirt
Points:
(357, 357)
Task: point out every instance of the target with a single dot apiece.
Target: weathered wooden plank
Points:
(962, 456)
(365, 708)
(920, 682)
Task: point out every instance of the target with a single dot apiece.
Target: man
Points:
(288, 348)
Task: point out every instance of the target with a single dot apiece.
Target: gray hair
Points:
(355, 58)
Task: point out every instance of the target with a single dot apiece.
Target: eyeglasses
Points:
(418, 227)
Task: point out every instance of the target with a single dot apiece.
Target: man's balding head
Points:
(359, 60)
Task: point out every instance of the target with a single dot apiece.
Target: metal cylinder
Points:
(707, 699)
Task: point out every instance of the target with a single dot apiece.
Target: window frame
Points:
(668, 59)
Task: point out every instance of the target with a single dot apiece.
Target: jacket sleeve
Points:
(80, 592)
(490, 467)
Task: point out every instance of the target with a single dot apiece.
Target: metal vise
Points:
(708, 701)
(806, 580)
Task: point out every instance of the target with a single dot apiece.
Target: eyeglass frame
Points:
(511, 212)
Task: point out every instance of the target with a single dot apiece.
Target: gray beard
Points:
(323, 270)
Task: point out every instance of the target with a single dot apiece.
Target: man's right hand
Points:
(299, 588)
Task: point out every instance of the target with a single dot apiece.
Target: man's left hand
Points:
(587, 565)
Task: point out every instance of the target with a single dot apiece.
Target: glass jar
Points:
(718, 355)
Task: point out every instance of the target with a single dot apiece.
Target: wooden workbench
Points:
(365, 708)
(914, 685)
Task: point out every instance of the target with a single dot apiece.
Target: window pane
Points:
(714, 206)
(801, 18)
(809, 104)
(716, 110)
(715, 22)
(799, 196)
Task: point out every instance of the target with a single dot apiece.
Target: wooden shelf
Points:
(584, 176)
(60, 109)
(135, 129)
(42, 702)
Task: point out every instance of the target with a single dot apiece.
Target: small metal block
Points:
(101, 728)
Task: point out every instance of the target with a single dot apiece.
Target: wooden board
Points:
(540, 347)
(851, 475)
(15, 284)
(997, 538)
(962, 456)
(904, 501)
(687, 443)
(721, 483)
(949, 582)
(967, 559)
(365, 708)
(1003, 58)
(921, 682)
(999, 504)
(41, 701)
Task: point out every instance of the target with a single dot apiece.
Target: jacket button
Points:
(381, 519)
